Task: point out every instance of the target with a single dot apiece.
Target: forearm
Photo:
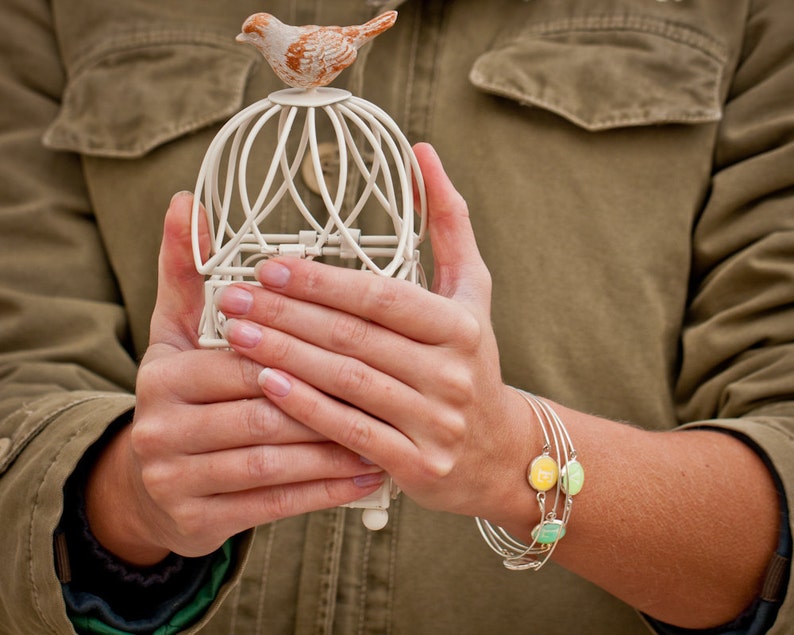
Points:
(681, 525)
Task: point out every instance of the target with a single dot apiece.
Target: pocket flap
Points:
(609, 72)
(142, 91)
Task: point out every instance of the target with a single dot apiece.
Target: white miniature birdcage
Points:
(378, 172)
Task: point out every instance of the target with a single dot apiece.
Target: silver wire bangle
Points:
(564, 475)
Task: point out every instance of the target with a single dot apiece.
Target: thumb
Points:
(459, 270)
(180, 293)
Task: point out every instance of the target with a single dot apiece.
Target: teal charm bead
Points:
(548, 532)
(572, 478)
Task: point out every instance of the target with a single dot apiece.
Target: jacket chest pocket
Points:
(143, 90)
(609, 72)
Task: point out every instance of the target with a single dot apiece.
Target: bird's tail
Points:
(377, 25)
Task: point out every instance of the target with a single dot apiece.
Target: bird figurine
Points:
(309, 56)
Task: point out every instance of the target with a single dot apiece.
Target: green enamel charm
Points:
(572, 478)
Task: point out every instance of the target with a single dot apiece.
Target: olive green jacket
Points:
(629, 166)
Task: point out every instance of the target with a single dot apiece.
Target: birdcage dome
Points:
(243, 200)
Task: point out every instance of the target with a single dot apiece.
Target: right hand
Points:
(207, 455)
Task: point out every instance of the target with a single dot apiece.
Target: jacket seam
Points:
(134, 40)
(18, 444)
(410, 79)
(433, 88)
(683, 34)
(528, 99)
(260, 609)
(772, 410)
(393, 564)
(326, 608)
(363, 585)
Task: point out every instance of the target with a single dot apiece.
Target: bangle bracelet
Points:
(555, 470)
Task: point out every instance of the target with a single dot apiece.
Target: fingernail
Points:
(365, 460)
(242, 333)
(274, 382)
(272, 274)
(234, 301)
(368, 480)
(181, 193)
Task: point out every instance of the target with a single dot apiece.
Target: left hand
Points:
(405, 377)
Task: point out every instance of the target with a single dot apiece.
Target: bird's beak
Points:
(242, 37)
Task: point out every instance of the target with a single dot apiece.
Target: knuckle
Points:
(437, 467)
(189, 518)
(349, 332)
(331, 487)
(246, 370)
(457, 200)
(459, 384)
(273, 309)
(340, 459)
(313, 279)
(157, 481)
(144, 438)
(280, 348)
(279, 503)
(454, 424)
(450, 430)
(334, 492)
(307, 410)
(383, 298)
(261, 465)
(353, 377)
(468, 331)
(386, 296)
(256, 418)
(358, 434)
(151, 379)
(484, 279)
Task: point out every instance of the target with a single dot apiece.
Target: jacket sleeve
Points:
(65, 373)
(737, 363)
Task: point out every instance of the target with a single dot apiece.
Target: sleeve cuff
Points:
(105, 595)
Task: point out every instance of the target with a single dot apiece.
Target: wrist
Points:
(114, 507)
(556, 477)
(517, 502)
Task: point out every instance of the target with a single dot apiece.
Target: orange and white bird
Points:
(310, 56)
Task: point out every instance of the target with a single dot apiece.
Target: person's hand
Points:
(406, 377)
(207, 455)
